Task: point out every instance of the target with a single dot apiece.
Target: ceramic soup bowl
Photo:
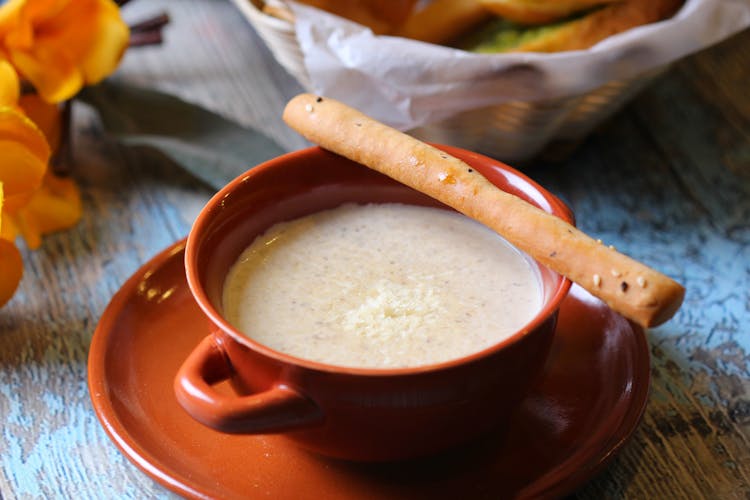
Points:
(360, 414)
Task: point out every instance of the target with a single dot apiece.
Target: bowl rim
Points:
(221, 326)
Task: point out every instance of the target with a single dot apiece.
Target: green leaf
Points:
(209, 146)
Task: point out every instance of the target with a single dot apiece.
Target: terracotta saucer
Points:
(589, 401)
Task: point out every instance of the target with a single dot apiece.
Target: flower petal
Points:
(25, 153)
(45, 115)
(112, 36)
(56, 205)
(9, 230)
(98, 49)
(11, 264)
(11, 270)
(10, 89)
(21, 172)
(10, 16)
(53, 74)
(76, 42)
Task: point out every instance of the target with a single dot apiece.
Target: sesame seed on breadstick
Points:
(629, 287)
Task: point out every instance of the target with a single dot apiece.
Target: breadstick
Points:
(626, 285)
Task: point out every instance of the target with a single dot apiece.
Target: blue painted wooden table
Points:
(667, 180)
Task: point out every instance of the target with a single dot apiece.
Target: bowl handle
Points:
(279, 408)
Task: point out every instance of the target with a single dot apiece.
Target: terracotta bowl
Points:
(349, 413)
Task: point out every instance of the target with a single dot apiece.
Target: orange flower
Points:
(23, 164)
(45, 115)
(61, 45)
(25, 151)
(56, 203)
(58, 46)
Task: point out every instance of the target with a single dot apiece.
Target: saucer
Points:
(587, 403)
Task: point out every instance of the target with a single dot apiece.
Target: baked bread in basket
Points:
(509, 78)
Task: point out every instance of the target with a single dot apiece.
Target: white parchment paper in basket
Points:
(407, 84)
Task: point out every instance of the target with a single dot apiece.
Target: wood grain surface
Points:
(666, 180)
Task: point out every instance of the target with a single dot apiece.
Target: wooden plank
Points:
(694, 440)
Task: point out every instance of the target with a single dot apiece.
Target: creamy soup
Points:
(381, 286)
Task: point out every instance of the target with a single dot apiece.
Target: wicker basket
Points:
(518, 131)
(514, 131)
